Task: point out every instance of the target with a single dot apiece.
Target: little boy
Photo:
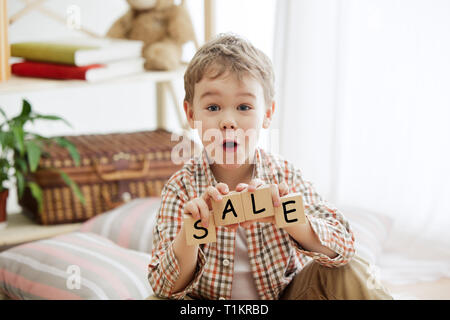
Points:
(229, 88)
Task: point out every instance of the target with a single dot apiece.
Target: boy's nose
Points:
(228, 124)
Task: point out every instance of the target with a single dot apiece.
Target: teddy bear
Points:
(162, 25)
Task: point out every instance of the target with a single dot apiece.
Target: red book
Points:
(92, 72)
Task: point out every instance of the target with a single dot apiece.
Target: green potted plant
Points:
(21, 152)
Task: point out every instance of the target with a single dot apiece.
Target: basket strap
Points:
(123, 174)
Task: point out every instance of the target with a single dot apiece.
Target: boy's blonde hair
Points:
(229, 52)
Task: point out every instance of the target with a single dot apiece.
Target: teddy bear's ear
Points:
(121, 27)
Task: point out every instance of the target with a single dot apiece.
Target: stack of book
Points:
(88, 59)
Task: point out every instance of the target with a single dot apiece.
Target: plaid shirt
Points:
(275, 257)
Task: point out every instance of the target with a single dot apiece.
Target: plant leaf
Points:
(36, 136)
(51, 117)
(23, 117)
(3, 139)
(4, 172)
(63, 142)
(20, 183)
(3, 114)
(7, 140)
(33, 154)
(72, 186)
(26, 109)
(21, 165)
(19, 139)
(36, 192)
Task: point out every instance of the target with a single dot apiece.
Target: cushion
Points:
(130, 225)
(77, 265)
(371, 231)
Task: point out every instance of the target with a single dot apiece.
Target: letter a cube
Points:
(229, 210)
(291, 211)
(196, 233)
(258, 204)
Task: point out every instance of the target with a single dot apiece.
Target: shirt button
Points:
(226, 262)
(160, 227)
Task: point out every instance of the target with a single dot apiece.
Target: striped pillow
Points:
(78, 265)
(130, 225)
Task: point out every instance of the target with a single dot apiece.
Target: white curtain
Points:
(363, 91)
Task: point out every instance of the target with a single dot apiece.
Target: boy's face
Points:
(229, 115)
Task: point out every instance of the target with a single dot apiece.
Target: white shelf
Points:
(20, 84)
(21, 229)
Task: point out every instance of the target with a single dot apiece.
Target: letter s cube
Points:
(196, 233)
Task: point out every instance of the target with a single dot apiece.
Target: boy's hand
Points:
(200, 207)
(278, 191)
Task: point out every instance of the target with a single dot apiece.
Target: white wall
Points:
(96, 16)
(125, 107)
(365, 87)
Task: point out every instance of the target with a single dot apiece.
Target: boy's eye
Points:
(244, 107)
(213, 107)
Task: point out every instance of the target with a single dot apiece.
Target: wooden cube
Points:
(196, 233)
(291, 211)
(229, 210)
(258, 204)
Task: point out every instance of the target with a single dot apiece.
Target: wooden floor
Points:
(435, 290)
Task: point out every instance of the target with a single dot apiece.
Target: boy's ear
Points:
(189, 113)
(268, 115)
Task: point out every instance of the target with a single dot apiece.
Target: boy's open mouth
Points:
(230, 145)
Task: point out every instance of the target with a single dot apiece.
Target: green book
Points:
(78, 52)
(48, 52)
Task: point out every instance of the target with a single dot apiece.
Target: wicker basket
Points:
(114, 169)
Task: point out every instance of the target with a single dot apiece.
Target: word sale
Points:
(236, 207)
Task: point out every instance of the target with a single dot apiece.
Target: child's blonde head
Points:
(233, 54)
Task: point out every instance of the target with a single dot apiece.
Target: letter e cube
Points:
(291, 211)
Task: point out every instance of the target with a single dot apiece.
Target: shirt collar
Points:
(206, 168)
